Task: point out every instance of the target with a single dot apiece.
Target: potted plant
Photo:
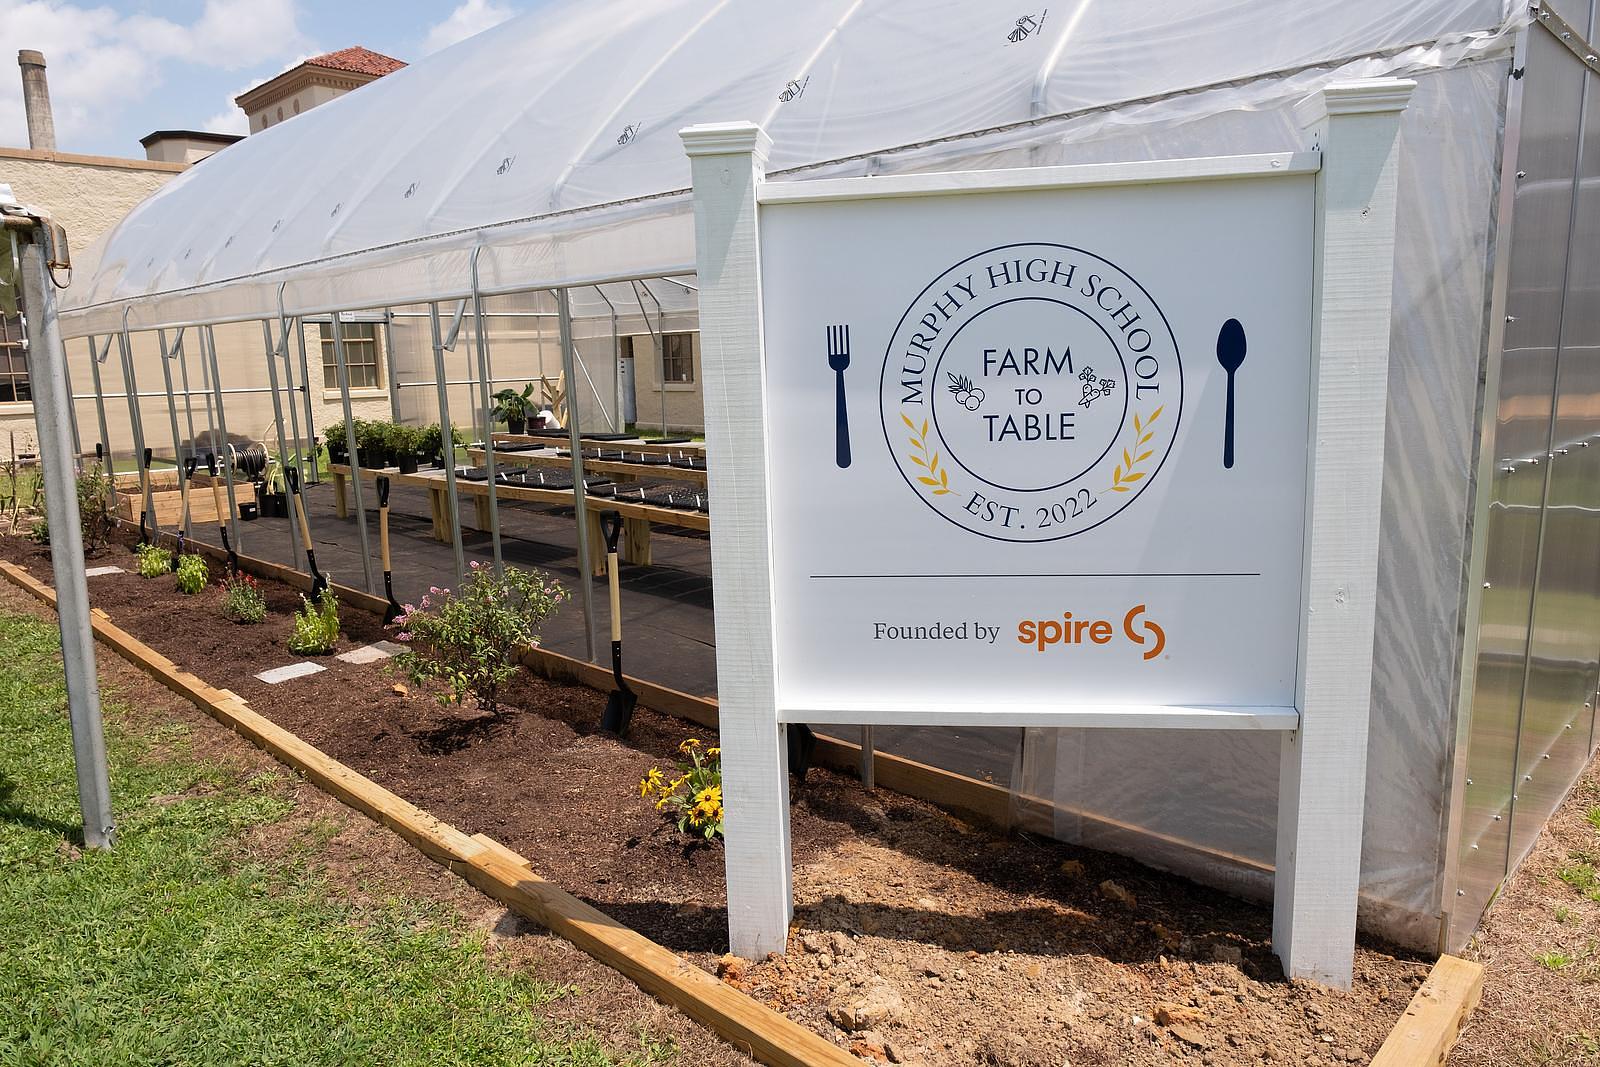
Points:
(407, 444)
(338, 443)
(372, 445)
(431, 445)
(513, 408)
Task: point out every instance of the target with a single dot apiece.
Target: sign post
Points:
(1094, 446)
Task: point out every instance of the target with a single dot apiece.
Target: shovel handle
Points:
(383, 521)
(616, 596)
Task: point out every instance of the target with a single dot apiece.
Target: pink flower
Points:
(403, 635)
(434, 590)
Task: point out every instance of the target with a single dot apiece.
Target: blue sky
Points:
(123, 68)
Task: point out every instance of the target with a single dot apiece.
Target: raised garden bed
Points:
(918, 936)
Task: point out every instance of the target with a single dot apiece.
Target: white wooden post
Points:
(1322, 784)
(728, 162)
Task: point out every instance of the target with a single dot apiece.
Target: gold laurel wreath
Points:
(1126, 472)
(937, 477)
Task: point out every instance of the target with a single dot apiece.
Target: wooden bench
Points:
(638, 517)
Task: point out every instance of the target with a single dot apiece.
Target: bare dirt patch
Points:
(919, 937)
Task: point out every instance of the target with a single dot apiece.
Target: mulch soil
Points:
(919, 937)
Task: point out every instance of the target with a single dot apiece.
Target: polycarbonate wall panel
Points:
(1539, 627)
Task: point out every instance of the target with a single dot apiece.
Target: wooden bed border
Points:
(495, 869)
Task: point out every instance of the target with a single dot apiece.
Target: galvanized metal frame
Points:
(167, 355)
(580, 496)
(290, 497)
(447, 447)
(485, 388)
(356, 491)
(135, 418)
(224, 449)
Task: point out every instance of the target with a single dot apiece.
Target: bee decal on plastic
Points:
(629, 132)
(966, 394)
(793, 90)
(1094, 388)
(1026, 27)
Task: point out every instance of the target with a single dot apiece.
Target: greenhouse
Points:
(516, 211)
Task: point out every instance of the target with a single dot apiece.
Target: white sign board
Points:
(1000, 474)
(1099, 446)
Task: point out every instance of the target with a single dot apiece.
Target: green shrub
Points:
(193, 574)
(154, 561)
(316, 626)
(94, 515)
(472, 639)
(39, 532)
(242, 600)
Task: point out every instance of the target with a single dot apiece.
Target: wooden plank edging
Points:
(1432, 1021)
(490, 866)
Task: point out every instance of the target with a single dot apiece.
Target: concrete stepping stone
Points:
(95, 572)
(290, 671)
(371, 653)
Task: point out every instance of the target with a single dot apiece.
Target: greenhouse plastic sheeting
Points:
(553, 139)
(552, 143)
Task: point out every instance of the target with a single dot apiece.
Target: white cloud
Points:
(101, 61)
(471, 17)
(229, 120)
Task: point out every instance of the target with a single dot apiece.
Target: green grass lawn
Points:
(175, 948)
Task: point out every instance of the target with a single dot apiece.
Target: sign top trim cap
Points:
(726, 138)
(1368, 96)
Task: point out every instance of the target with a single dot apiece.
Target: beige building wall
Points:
(88, 195)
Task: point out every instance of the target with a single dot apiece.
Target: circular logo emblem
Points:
(1031, 392)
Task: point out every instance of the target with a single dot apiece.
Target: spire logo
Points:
(1137, 629)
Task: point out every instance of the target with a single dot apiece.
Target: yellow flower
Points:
(694, 817)
(713, 753)
(662, 803)
(651, 782)
(708, 799)
(693, 742)
(677, 783)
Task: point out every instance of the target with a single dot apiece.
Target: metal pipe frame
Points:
(660, 346)
(136, 420)
(283, 448)
(183, 376)
(447, 448)
(172, 415)
(486, 384)
(97, 357)
(305, 393)
(224, 450)
(356, 490)
(47, 359)
(614, 420)
(72, 412)
(388, 365)
(580, 497)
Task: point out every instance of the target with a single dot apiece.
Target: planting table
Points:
(692, 448)
(550, 458)
(637, 517)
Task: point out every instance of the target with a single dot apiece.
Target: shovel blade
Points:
(618, 713)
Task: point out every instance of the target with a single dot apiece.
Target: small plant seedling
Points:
(316, 625)
(1563, 915)
(1582, 877)
(193, 574)
(242, 600)
(1553, 960)
(154, 561)
(39, 532)
(1592, 816)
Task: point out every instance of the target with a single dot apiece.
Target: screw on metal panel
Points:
(1486, 585)
(1469, 781)
(1547, 755)
(1527, 777)
(1497, 818)
(1534, 461)
(1463, 892)
(1521, 174)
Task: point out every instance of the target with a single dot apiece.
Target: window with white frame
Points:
(360, 353)
(15, 386)
(677, 357)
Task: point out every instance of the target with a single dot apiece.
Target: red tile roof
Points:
(357, 60)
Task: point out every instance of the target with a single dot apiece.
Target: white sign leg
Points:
(1322, 783)
(727, 163)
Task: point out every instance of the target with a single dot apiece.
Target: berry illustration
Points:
(966, 394)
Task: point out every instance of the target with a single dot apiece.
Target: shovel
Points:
(222, 513)
(291, 475)
(622, 701)
(183, 525)
(393, 611)
(144, 496)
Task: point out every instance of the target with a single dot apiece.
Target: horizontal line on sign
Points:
(1082, 574)
(1075, 175)
(1101, 716)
